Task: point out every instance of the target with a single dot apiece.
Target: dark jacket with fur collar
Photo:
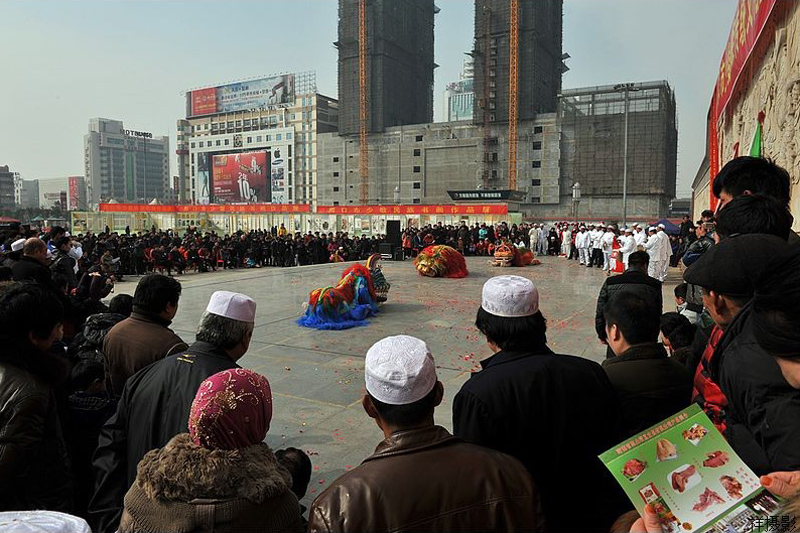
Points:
(183, 487)
(34, 468)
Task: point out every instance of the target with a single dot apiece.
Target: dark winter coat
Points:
(387, 493)
(650, 385)
(29, 269)
(184, 487)
(34, 467)
(555, 414)
(763, 417)
(631, 281)
(154, 407)
(88, 344)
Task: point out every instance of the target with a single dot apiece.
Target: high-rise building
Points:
(270, 124)
(6, 188)
(26, 192)
(459, 96)
(539, 59)
(125, 165)
(399, 69)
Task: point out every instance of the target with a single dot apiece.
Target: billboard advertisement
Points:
(241, 178)
(241, 96)
(203, 179)
(278, 177)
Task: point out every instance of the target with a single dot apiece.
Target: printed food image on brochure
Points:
(708, 489)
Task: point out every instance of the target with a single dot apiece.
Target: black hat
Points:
(736, 265)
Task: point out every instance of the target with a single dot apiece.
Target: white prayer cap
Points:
(42, 522)
(637, 225)
(399, 370)
(662, 226)
(510, 296)
(628, 230)
(232, 305)
(610, 226)
(17, 245)
(651, 228)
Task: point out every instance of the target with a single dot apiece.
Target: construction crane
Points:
(362, 100)
(513, 78)
(484, 103)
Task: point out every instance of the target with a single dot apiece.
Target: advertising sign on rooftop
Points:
(242, 96)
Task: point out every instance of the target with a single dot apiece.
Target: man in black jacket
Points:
(32, 265)
(763, 409)
(634, 280)
(555, 413)
(63, 264)
(155, 402)
(651, 386)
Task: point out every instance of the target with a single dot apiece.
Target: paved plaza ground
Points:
(317, 377)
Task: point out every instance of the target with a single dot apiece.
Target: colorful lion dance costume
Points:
(378, 279)
(441, 262)
(509, 255)
(344, 306)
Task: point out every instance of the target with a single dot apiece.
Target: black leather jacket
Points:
(34, 468)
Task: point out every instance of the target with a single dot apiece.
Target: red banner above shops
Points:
(750, 19)
(248, 208)
(492, 209)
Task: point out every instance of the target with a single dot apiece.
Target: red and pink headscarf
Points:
(232, 409)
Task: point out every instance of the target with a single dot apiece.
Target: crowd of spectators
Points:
(116, 419)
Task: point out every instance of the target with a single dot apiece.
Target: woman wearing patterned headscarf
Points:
(219, 476)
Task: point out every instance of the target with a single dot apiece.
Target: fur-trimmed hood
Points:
(184, 471)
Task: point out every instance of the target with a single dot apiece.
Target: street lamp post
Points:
(576, 199)
(625, 88)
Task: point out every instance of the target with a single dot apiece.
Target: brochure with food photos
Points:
(691, 477)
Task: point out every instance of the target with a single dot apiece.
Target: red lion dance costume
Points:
(344, 306)
(441, 262)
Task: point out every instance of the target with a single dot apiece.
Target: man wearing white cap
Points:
(155, 401)
(597, 245)
(13, 253)
(555, 413)
(628, 246)
(421, 478)
(639, 236)
(607, 245)
(583, 242)
(659, 249)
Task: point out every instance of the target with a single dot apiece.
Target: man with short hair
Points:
(387, 492)
(32, 266)
(144, 337)
(155, 402)
(555, 413)
(750, 175)
(650, 385)
(634, 280)
(754, 213)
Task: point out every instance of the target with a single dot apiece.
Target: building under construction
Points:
(593, 146)
(539, 61)
(397, 77)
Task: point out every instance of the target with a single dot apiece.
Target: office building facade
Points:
(125, 165)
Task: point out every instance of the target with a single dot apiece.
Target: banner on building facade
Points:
(493, 209)
(262, 93)
(241, 178)
(748, 23)
(230, 208)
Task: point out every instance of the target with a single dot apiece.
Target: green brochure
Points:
(690, 475)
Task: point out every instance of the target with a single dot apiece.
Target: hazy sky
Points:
(63, 62)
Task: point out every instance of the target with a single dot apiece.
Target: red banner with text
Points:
(748, 23)
(491, 209)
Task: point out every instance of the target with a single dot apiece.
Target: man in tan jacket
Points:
(422, 478)
(144, 337)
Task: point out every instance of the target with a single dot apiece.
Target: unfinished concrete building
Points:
(539, 60)
(399, 49)
(593, 144)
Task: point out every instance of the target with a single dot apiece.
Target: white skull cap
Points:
(510, 297)
(662, 226)
(232, 305)
(17, 245)
(399, 370)
(42, 522)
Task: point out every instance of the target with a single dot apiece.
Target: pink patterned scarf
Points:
(232, 409)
